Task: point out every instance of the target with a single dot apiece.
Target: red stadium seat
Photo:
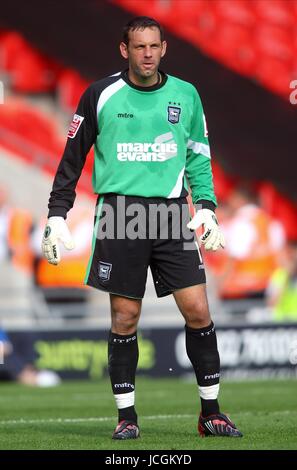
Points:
(278, 12)
(140, 7)
(203, 33)
(293, 7)
(12, 45)
(29, 70)
(294, 44)
(275, 75)
(70, 88)
(234, 48)
(235, 11)
(34, 73)
(274, 41)
(34, 136)
(189, 12)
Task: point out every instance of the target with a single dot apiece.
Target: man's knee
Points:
(125, 315)
(196, 313)
(193, 305)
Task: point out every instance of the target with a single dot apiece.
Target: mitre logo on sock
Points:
(124, 385)
(212, 376)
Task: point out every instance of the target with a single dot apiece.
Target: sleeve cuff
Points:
(57, 212)
(205, 204)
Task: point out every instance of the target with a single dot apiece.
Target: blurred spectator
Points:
(18, 362)
(15, 255)
(282, 289)
(15, 229)
(254, 242)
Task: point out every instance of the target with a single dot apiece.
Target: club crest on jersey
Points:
(173, 114)
(75, 125)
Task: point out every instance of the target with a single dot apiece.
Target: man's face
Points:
(144, 51)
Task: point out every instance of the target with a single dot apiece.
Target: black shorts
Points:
(132, 233)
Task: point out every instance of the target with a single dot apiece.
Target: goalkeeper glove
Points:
(55, 230)
(212, 237)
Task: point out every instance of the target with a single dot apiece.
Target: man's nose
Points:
(148, 51)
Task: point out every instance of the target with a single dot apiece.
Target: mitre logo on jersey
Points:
(163, 148)
(75, 125)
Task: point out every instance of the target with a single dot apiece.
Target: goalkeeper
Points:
(150, 138)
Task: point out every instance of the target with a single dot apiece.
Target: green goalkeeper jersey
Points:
(148, 141)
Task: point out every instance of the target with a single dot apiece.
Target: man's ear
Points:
(124, 50)
(164, 48)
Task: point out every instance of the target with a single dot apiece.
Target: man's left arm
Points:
(199, 175)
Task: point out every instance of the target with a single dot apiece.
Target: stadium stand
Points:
(251, 39)
(70, 87)
(36, 137)
(29, 71)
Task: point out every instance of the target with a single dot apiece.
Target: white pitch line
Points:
(111, 418)
(85, 420)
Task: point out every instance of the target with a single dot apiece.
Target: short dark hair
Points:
(141, 22)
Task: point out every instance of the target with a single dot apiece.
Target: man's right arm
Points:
(81, 136)
(199, 174)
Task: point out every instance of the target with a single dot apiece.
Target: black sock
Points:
(209, 407)
(122, 364)
(202, 350)
(127, 414)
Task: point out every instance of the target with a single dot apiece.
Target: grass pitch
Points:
(82, 415)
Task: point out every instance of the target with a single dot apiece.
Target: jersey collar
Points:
(124, 76)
